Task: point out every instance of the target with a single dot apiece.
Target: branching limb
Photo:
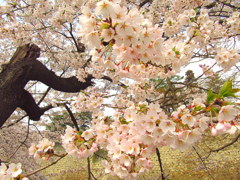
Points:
(29, 105)
(72, 85)
(22, 68)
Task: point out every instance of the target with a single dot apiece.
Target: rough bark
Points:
(22, 68)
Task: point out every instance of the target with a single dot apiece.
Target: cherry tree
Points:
(122, 55)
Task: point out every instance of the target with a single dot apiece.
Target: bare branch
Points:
(72, 117)
(38, 170)
(23, 142)
(226, 145)
(144, 2)
(204, 164)
(160, 164)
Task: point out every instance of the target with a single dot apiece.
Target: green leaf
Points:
(227, 90)
(14, 4)
(215, 110)
(80, 132)
(177, 52)
(112, 70)
(143, 108)
(211, 96)
(195, 33)
(170, 23)
(198, 108)
(235, 90)
(98, 155)
(48, 127)
(226, 86)
(123, 120)
(105, 26)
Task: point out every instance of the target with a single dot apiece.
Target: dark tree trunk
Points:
(22, 68)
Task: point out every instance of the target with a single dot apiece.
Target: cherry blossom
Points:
(44, 149)
(227, 113)
(79, 144)
(12, 171)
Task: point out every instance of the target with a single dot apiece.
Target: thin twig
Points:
(44, 95)
(23, 142)
(100, 156)
(237, 68)
(15, 122)
(144, 2)
(38, 170)
(228, 4)
(93, 176)
(89, 168)
(205, 71)
(39, 132)
(72, 117)
(204, 164)
(226, 145)
(160, 163)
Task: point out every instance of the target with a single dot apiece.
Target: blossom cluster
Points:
(173, 26)
(128, 45)
(11, 172)
(88, 103)
(132, 134)
(227, 58)
(43, 150)
(130, 137)
(227, 121)
(79, 144)
(234, 23)
(124, 44)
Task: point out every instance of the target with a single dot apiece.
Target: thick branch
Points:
(29, 105)
(43, 74)
(13, 79)
(22, 68)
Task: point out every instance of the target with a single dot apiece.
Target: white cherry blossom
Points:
(227, 113)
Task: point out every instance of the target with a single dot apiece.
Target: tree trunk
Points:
(22, 68)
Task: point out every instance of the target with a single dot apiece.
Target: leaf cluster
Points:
(226, 90)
